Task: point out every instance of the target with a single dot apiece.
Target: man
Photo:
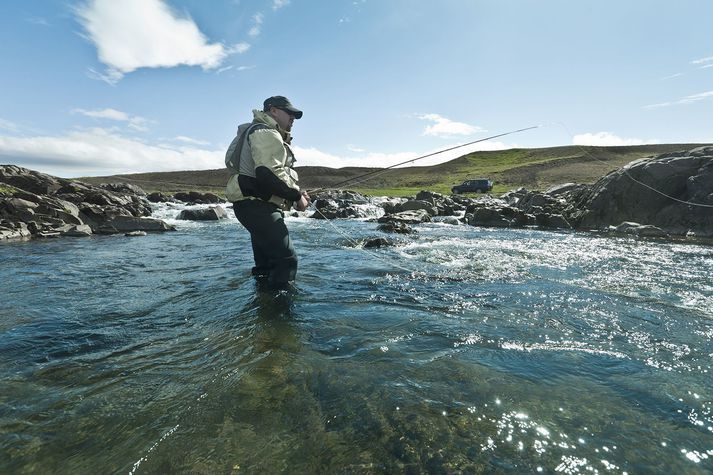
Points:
(264, 185)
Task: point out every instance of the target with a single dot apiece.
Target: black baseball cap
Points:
(281, 102)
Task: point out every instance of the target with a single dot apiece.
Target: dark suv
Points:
(480, 185)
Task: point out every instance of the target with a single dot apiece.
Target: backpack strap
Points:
(234, 161)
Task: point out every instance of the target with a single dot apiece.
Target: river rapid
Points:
(458, 350)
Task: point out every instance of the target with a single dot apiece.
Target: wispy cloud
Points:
(134, 34)
(354, 148)
(443, 127)
(708, 59)
(135, 122)
(608, 139)
(99, 151)
(239, 48)
(192, 141)
(277, 4)
(685, 100)
(7, 125)
(257, 24)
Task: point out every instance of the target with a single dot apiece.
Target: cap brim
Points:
(296, 112)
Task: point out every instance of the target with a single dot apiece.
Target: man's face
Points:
(283, 118)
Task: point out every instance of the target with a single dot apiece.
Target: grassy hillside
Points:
(532, 168)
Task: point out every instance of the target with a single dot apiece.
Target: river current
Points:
(457, 350)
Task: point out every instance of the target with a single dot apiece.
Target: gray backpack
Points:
(239, 157)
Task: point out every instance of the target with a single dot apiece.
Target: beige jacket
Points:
(270, 148)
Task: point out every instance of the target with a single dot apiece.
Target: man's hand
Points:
(304, 202)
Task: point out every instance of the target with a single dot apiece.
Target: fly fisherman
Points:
(263, 185)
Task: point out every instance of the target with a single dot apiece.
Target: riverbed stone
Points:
(409, 217)
(214, 213)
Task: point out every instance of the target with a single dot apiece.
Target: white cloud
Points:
(277, 4)
(705, 60)
(7, 125)
(354, 148)
(257, 24)
(222, 70)
(444, 127)
(135, 122)
(607, 139)
(239, 48)
(133, 34)
(685, 100)
(102, 152)
(183, 138)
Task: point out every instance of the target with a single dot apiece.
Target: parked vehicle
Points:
(480, 185)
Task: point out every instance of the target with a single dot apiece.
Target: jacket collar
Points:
(265, 118)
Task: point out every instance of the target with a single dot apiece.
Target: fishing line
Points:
(383, 170)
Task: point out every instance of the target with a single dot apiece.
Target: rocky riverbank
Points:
(667, 196)
(36, 205)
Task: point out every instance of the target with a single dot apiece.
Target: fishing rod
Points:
(382, 170)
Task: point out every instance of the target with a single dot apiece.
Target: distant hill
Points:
(534, 168)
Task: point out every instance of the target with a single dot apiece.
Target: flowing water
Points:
(458, 350)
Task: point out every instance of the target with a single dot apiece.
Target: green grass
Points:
(6, 190)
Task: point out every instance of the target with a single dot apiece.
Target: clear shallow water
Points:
(460, 349)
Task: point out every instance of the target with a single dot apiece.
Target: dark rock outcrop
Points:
(673, 192)
(214, 213)
(196, 198)
(34, 204)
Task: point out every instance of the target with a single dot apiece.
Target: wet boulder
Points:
(395, 227)
(488, 217)
(194, 197)
(158, 197)
(123, 224)
(639, 230)
(214, 213)
(408, 217)
(340, 195)
(377, 242)
(413, 205)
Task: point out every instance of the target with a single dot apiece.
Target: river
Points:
(457, 350)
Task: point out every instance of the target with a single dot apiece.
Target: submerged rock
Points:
(377, 242)
(395, 227)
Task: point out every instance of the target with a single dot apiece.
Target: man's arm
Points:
(270, 155)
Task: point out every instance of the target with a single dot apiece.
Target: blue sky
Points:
(98, 87)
